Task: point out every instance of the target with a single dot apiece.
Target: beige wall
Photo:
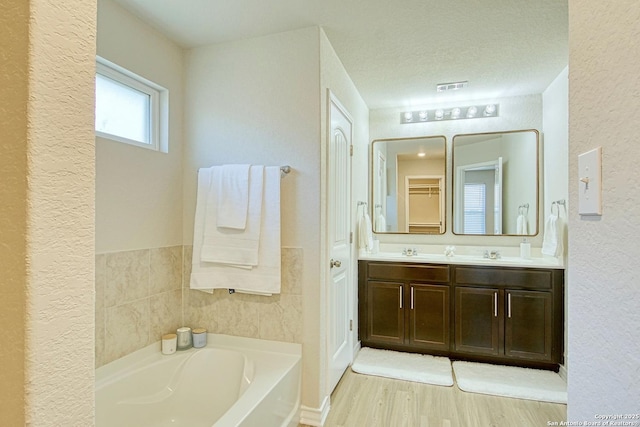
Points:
(47, 128)
(604, 319)
(139, 191)
(14, 92)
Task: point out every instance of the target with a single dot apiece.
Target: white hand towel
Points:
(233, 196)
(230, 246)
(365, 234)
(263, 279)
(381, 223)
(522, 225)
(553, 232)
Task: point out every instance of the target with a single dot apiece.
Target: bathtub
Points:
(233, 381)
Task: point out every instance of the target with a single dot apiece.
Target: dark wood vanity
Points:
(486, 313)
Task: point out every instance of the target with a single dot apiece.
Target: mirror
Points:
(408, 185)
(495, 183)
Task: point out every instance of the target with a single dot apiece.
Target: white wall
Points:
(334, 77)
(257, 101)
(604, 254)
(47, 213)
(139, 191)
(555, 146)
(516, 113)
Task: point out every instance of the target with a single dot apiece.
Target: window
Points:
(130, 109)
(474, 208)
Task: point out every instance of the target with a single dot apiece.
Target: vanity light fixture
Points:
(455, 113)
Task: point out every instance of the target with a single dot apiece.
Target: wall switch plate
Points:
(590, 182)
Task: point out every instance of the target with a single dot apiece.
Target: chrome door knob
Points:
(335, 263)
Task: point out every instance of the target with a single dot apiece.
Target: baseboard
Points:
(564, 374)
(315, 416)
(356, 349)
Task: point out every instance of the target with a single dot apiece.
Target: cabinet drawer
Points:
(429, 273)
(525, 278)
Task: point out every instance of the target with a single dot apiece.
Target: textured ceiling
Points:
(396, 51)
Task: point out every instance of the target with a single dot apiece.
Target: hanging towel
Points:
(522, 225)
(233, 196)
(227, 245)
(553, 234)
(381, 223)
(263, 279)
(365, 234)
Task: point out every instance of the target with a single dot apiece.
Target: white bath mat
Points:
(509, 381)
(404, 366)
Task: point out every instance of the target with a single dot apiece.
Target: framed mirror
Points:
(495, 183)
(408, 185)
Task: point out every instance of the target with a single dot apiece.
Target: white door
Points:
(339, 246)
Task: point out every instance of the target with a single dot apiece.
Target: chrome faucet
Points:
(492, 254)
(409, 251)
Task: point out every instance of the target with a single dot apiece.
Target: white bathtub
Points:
(232, 382)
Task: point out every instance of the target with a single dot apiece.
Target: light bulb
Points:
(439, 114)
(455, 113)
(471, 112)
(423, 116)
(489, 109)
(408, 117)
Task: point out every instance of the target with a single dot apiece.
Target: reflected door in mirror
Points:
(495, 175)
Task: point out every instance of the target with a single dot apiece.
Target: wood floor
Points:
(368, 401)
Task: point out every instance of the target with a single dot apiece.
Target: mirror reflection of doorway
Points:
(424, 204)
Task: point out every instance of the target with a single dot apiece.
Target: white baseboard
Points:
(564, 374)
(315, 416)
(356, 349)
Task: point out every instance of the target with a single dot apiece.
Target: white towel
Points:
(553, 234)
(381, 223)
(522, 225)
(227, 245)
(365, 234)
(233, 196)
(263, 279)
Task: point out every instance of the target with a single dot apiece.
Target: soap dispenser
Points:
(525, 249)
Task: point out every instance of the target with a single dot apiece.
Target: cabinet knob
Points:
(335, 263)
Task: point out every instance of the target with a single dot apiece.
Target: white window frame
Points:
(158, 108)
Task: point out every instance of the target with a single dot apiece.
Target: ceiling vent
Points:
(441, 87)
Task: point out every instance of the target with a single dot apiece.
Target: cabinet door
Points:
(477, 320)
(528, 325)
(385, 317)
(429, 316)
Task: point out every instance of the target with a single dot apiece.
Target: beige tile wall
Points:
(277, 317)
(140, 294)
(138, 298)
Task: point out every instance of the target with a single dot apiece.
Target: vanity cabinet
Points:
(514, 313)
(495, 314)
(404, 306)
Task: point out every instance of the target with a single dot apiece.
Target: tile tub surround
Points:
(277, 317)
(138, 298)
(143, 294)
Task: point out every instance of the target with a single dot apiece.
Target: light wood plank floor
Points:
(368, 401)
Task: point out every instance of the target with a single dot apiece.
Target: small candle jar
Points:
(169, 343)
(184, 338)
(199, 337)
